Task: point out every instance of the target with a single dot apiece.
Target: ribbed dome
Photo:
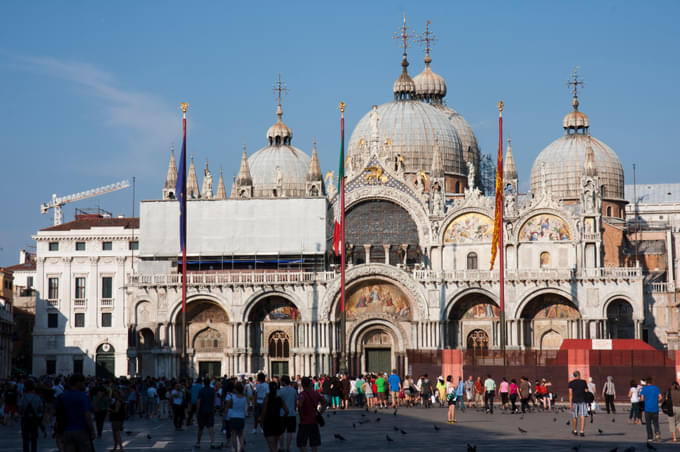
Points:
(279, 133)
(468, 140)
(564, 161)
(292, 163)
(575, 120)
(403, 87)
(413, 127)
(430, 87)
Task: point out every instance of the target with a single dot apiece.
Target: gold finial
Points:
(342, 109)
(184, 107)
(500, 106)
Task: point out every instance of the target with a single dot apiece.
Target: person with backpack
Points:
(31, 409)
(426, 392)
(308, 400)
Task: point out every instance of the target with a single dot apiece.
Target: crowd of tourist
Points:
(74, 410)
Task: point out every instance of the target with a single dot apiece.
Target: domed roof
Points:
(430, 87)
(413, 128)
(575, 120)
(563, 162)
(468, 140)
(403, 87)
(279, 165)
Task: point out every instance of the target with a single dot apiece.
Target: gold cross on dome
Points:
(403, 36)
(575, 82)
(280, 89)
(427, 39)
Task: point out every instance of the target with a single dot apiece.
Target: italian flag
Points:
(340, 204)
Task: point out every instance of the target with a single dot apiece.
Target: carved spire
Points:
(171, 178)
(437, 162)
(207, 187)
(509, 170)
(589, 162)
(221, 191)
(403, 87)
(314, 173)
(192, 182)
(244, 177)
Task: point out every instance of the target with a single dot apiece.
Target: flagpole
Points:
(185, 367)
(343, 317)
(501, 259)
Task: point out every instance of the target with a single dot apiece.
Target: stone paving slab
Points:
(369, 431)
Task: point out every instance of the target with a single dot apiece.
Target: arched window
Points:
(545, 259)
(279, 346)
(478, 340)
(458, 190)
(609, 211)
(472, 261)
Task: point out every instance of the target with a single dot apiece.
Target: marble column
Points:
(367, 251)
(387, 253)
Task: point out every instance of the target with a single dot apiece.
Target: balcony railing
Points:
(107, 303)
(541, 274)
(659, 287)
(79, 302)
(231, 278)
(54, 302)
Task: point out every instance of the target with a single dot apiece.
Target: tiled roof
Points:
(26, 266)
(89, 222)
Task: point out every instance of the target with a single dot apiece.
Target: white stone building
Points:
(81, 307)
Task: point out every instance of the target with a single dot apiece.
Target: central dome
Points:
(413, 128)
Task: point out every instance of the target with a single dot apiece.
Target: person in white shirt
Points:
(236, 407)
(289, 396)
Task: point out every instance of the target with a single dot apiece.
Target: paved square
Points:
(368, 431)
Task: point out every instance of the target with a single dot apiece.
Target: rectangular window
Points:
(107, 287)
(53, 289)
(80, 320)
(54, 246)
(80, 288)
(80, 246)
(107, 246)
(78, 365)
(50, 366)
(52, 320)
(134, 245)
(29, 282)
(106, 319)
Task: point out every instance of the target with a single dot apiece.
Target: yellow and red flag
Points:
(497, 241)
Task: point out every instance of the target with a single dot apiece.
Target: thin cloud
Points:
(151, 122)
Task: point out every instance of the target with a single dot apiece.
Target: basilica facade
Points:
(264, 285)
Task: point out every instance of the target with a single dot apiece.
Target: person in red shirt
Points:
(307, 403)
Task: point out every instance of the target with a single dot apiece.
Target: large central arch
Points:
(473, 312)
(548, 319)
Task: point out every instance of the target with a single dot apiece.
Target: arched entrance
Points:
(377, 346)
(548, 319)
(473, 313)
(620, 323)
(105, 361)
(207, 332)
(271, 335)
(145, 346)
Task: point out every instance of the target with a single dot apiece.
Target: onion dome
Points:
(564, 162)
(279, 133)
(279, 169)
(430, 87)
(403, 87)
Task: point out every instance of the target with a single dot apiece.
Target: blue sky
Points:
(90, 90)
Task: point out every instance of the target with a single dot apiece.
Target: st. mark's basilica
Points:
(264, 284)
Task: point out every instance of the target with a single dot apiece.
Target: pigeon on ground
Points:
(436, 428)
(395, 412)
(375, 412)
(128, 433)
(616, 449)
(334, 413)
(650, 446)
(599, 430)
(613, 419)
(354, 425)
(568, 422)
(363, 415)
(471, 448)
(521, 430)
(554, 419)
(521, 417)
(576, 448)
(148, 436)
(403, 432)
(377, 419)
(388, 438)
(340, 437)
(629, 449)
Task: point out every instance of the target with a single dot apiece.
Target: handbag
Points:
(589, 397)
(667, 405)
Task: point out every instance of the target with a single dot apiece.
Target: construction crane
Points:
(57, 202)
